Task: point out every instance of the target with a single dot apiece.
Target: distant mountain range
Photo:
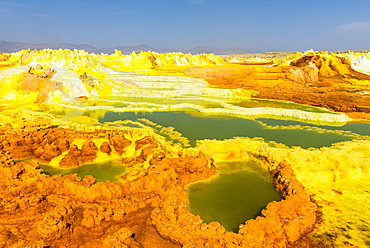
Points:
(10, 47)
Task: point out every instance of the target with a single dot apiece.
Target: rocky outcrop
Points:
(75, 156)
(38, 80)
(306, 74)
(119, 142)
(328, 65)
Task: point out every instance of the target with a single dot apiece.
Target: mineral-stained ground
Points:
(325, 190)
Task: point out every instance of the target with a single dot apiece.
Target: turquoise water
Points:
(231, 199)
(102, 172)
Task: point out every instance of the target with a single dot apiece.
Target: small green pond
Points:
(102, 172)
(231, 199)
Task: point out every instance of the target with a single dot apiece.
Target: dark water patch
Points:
(231, 199)
(102, 172)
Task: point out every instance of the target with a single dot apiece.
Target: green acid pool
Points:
(198, 127)
(102, 172)
(195, 126)
(231, 199)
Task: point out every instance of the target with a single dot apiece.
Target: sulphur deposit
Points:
(55, 106)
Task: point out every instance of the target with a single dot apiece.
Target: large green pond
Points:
(231, 199)
(198, 127)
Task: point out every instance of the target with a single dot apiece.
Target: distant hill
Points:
(10, 47)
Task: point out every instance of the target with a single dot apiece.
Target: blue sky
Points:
(271, 25)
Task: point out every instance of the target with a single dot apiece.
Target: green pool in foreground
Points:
(231, 199)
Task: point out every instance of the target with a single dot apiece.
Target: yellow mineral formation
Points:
(54, 75)
(53, 107)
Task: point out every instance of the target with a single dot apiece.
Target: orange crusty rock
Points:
(150, 210)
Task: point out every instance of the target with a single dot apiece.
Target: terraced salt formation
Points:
(96, 80)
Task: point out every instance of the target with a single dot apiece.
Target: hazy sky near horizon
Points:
(266, 25)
